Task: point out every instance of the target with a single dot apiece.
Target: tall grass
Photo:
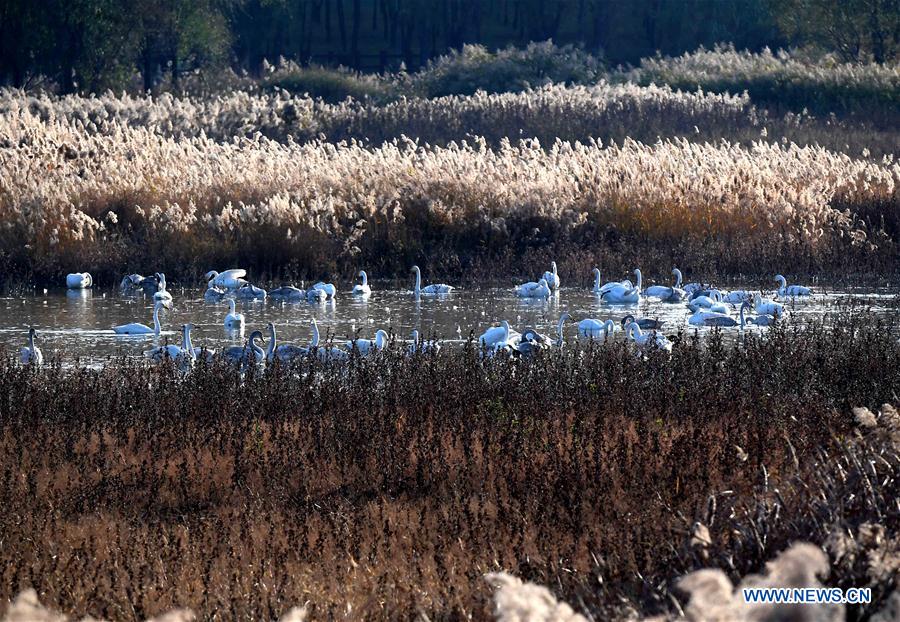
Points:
(388, 488)
(782, 79)
(74, 194)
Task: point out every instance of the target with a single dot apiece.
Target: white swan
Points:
(541, 289)
(183, 356)
(713, 302)
(287, 293)
(552, 277)
(421, 345)
(233, 319)
(623, 294)
(31, 354)
(284, 352)
(737, 296)
(712, 318)
(602, 289)
(785, 290)
(429, 290)
(767, 307)
(647, 340)
(329, 289)
(668, 294)
(498, 337)
(248, 291)
(230, 279)
(250, 354)
(325, 353)
(161, 293)
(142, 329)
(362, 289)
(369, 346)
(79, 280)
(596, 330)
(316, 295)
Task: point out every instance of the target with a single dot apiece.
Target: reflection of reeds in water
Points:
(388, 487)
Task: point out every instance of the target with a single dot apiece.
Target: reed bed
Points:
(387, 488)
(782, 79)
(125, 197)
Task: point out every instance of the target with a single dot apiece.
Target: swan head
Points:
(628, 319)
(632, 329)
(564, 317)
(553, 267)
(257, 334)
(596, 272)
(162, 304)
(32, 332)
(781, 280)
(415, 269)
(211, 275)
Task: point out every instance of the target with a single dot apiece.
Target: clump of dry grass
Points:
(130, 491)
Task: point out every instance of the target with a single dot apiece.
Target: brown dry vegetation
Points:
(388, 488)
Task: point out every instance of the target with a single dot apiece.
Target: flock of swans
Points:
(707, 306)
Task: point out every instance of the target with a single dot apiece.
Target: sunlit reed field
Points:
(387, 488)
(114, 184)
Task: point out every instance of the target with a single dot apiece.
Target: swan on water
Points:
(369, 346)
(215, 294)
(737, 297)
(230, 279)
(645, 323)
(329, 289)
(712, 318)
(31, 354)
(429, 290)
(142, 329)
(597, 330)
(552, 277)
(233, 319)
(541, 289)
(531, 342)
(248, 291)
(362, 289)
(763, 306)
(79, 280)
(602, 289)
(316, 295)
(136, 283)
(287, 293)
(250, 354)
(713, 302)
(668, 294)
(325, 353)
(785, 290)
(498, 338)
(161, 293)
(421, 345)
(623, 294)
(183, 356)
(647, 340)
(284, 352)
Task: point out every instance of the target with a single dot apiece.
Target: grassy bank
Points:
(129, 491)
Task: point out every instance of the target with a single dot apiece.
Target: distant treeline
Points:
(92, 45)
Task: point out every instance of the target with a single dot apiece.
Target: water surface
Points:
(78, 323)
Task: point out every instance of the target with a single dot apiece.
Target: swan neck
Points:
(596, 279)
(677, 274)
(315, 335)
(365, 277)
(231, 305)
(272, 341)
(418, 281)
(31, 340)
(156, 325)
(639, 283)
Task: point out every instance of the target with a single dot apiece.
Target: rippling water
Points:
(78, 323)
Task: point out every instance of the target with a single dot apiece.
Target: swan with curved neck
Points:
(785, 290)
(563, 318)
(136, 328)
(362, 289)
(651, 339)
(233, 319)
(284, 352)
(368, 346)
(551, 276)
(668, 294)
(595, 329)
(767, 307)
(496, 335)
(429, 290)
(229, 279)
(31, 354)
(540, 289)
(322, 351)
(624, 294)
